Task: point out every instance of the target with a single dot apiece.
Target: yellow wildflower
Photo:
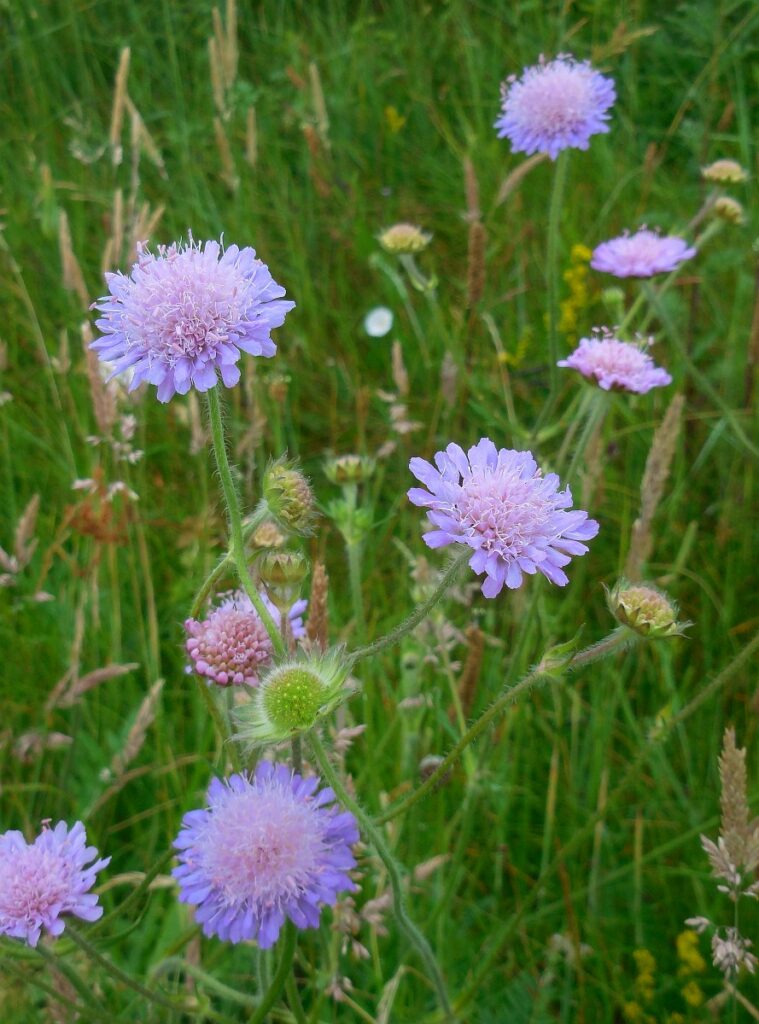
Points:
(576, 276)
(644, 982)
(691, 961)
(692, 994)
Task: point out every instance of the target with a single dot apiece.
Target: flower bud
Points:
(724, 171)
(283, 569)
(268, 535)
(292, 697)
(289, 497)
(728, 209)
(350, 469)
(403, 239)
(645, 610)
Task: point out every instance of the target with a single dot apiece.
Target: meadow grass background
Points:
(365, 114)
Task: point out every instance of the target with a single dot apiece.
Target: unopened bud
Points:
(292, 697)
(350, 469)
(724, 172)
(289, 497)
(645, 610)
(729, 210)
(283, 571)
(429, 765)
(404, 239)
(268, 535)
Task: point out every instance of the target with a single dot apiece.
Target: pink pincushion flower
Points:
(641, 255)
(555, 105)
(231, 645)
(182, 317)
(499, 503)
(268, 847)
(41, 882)
(616, 365)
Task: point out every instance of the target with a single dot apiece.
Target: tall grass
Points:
(578, 814)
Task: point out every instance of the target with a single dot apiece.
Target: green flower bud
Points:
(283, 572)
(403, 239)
(724, 171)
(350, 469)
(289, 497)
(645, 610)
(292, 697)
(730, 210)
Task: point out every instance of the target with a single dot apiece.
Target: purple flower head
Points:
(499, 503)
(641, 255)
(231, 645)
(187, 313)
(555, 105)
(616, 365)
(42, 881)
(268, 847)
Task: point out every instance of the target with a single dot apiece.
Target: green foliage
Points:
(410, 91)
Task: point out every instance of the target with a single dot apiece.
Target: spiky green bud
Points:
(645, 610)
(350, 469)
(289, 497)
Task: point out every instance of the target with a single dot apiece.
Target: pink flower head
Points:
(616, 365)
(641, 255)
(268, 847)
(231, 645)
(555, 105)
(182, 317)
(41, 882)
(499, 503)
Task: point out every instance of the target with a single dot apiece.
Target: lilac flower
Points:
(641, 255)
(499, 503)
(555, 105)
(187, 313)
(268, 847)
(42, 881)
(231, 645)
(616, 365)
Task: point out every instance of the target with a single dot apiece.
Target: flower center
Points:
(261, 846)
(31, 882)
(504, 510)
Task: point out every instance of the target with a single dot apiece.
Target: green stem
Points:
(293, 1000)
(283, 972)
(235, 521)
(71, 975)
(136, 893)
(207, 980)
(116, 972)
(418, 615)
(353, 551)
(554, 219)
(596, 416)
(375, 837)
(539, 674)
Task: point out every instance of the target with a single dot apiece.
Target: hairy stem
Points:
(176, 963)
(375, 837)
(283, 972)
(117, 974)
(540, 674)
(554, 218)
(418, 615)
(237, 546)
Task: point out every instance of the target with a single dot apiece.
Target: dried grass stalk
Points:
(471, 191)
(470, 674)
(320, 107)
(655, 477)
(104, 403)
(400, 374)
(137, 734)
(514, 180)
(228, 173)
(73, 279)
(24, 541)
(117, 110)
(317, 627)
(734, 826)
(251, 137)
(83, 684)
(475, 270)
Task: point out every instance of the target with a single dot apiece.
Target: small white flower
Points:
(378, 322)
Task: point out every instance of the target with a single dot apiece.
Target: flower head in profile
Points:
(183, 316)
(725, 172)
(403, 239)
(231, 646)
(641, 255)
(616, 365)
(555, 105)
(43, 881)
(499, 503)
(268, 847)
